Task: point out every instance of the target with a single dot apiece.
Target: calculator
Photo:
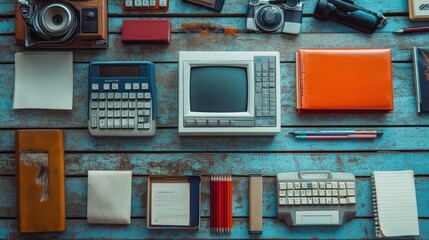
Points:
(146, 5)
(122, 99)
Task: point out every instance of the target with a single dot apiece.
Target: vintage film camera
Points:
(283, 16)
(76, 24)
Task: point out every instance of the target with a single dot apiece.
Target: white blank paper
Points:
(109, 197)
(43, 80)
(396, 203)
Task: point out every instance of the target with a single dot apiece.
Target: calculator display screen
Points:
(119, 70)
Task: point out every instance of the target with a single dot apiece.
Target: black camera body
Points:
(281, 16)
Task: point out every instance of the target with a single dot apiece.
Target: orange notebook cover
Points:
(40, 180)
(344, 80)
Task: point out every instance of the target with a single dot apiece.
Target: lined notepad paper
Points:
(395, 206)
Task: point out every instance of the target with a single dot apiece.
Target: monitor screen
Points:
(218, 89)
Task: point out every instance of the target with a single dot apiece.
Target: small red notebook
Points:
(344, 80)
(146, 31)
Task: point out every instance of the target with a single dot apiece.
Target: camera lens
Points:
(269, 18)
(56, 19)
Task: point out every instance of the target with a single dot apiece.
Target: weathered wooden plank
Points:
(231, 7)
(167, 85)
(77, 197)
(167, 140)
(273, 229)
(268, 164)
(309, 24)
(285, 44)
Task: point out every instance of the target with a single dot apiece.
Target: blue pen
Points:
(337, 132)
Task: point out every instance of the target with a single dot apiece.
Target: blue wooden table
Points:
(405, 144)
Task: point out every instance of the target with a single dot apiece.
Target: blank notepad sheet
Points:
(43, 80)
(396, 203)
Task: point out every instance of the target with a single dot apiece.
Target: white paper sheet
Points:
(170, 204)
(396, 203)
(43, 80)
(109, 197)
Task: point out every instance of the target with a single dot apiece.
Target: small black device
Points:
(347, 13)
(284, 16)
(215, 5)
(421, 78)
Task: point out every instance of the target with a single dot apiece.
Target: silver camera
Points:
(281, 16)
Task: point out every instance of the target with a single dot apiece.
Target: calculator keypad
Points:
(121, 113)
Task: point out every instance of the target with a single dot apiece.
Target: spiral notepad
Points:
(394, 202)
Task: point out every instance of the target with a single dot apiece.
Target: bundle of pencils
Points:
(221, 204)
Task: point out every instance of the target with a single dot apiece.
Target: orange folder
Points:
(344, 80)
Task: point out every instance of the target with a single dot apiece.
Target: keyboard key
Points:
(94, 96)
(335, 201)
(328, 185)
(102, 105)
(147, 105)
(102, 114)
(140, 113)
(302, 192)
(282, 201)
(110, 123)
(282, 185)
(282, 193)
(342, 193)
(93, 122)
(125, 96)
(132, 105)
(315, 200)
(297, 185)
(321, 184)
(342, 185)
(296, 193)
(290, 193)
(322, 201)
(140, 126)
(289, 185)
(328, 200)
(117, 114)
(350, 184)
(308, 193)
(124, 105)
(350, 192)
(310, 200)
(145, 86)
(94, 105)
(334, 185)
(297, 201)
(124, 114)
(290, 201)
(118, 105)
(127, 86)
(133, 95)
(351, 200)
(140, 95)
(314, 185)
(94, 86)
(315, 192)
(117, 123)
(110, 114)
(322, 193)
(140, 104)
(102, 96)
(131, 123)
(124, 123)
(131, 114)
(146, 112)
(146, 125)
(343, 201)
(147, 96)
(102, 123)
(303, 184)
(304, 201)
(110, 96)
(328, 193)
(118, 95)
(106, 86)
(335, 193)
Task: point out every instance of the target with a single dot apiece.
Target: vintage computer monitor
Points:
(229, 93)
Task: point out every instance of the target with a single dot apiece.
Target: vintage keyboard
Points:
(316, 197)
